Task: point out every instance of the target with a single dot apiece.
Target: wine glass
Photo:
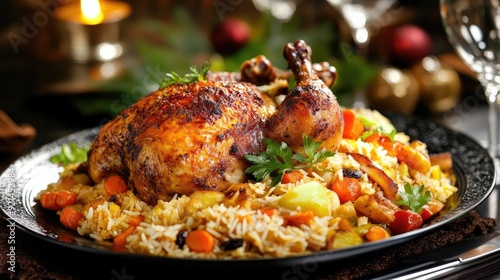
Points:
(362, 16)
(473, 29)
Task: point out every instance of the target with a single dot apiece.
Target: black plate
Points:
(22, 180)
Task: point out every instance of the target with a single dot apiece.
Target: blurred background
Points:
(389, 55)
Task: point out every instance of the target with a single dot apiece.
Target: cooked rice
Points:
(262, 235)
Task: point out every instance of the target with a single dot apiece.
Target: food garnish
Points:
(414, 197)
(279, 158)
(173, 78)
(70, 153)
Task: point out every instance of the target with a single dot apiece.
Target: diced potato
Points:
(347, 211)
(343, 239)
(310, 196)
(203, 199)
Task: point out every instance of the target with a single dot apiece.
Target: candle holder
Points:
(83, 42)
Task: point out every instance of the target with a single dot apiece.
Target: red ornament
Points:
(409, 45)
(230, 35)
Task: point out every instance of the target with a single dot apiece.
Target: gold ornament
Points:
(395, 90)
(440, 86)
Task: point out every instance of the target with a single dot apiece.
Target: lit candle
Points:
(91, 29)
(91, 11)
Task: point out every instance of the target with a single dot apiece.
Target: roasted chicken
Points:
(188, 137)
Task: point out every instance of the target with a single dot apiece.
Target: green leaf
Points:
(195, 75)
(278, 158)
(70, 153)
(414, 197)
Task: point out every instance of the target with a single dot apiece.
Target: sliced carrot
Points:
(292, 177)
(136, 220)
(57, 200)
(65, 198)
(353, 127)
(48, 201)
(121, 239)
(200, 241)
(70, 217)
(269, 211)
(299, 218)
(375, 233)
(382, 140)
(114, 185)
(347, 189)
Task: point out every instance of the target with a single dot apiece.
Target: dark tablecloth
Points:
(38, 259)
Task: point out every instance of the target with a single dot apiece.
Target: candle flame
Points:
(91, 11)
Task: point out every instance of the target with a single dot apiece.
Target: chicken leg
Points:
(309, 108)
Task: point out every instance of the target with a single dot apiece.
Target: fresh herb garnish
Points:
(414, 197)
(70, 153)
(278, 158)
(173, 78)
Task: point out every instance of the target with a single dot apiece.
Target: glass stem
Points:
(491, 91)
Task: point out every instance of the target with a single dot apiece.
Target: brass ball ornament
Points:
(440, 85)
(393, 89)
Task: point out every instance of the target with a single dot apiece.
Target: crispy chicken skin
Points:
(188, 137)
(183, 138)
(309, 108)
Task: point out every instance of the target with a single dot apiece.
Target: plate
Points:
(26, 177)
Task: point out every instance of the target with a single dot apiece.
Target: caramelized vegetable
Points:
(415, 159)
(376, 207)
(385, 182)
(443, 160)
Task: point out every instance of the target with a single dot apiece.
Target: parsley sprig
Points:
(279, 158)
(195, 75)
(70, 153)
(414, 197)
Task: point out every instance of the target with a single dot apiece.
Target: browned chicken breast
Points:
(188, 137)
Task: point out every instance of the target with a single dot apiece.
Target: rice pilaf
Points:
(253, 220)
